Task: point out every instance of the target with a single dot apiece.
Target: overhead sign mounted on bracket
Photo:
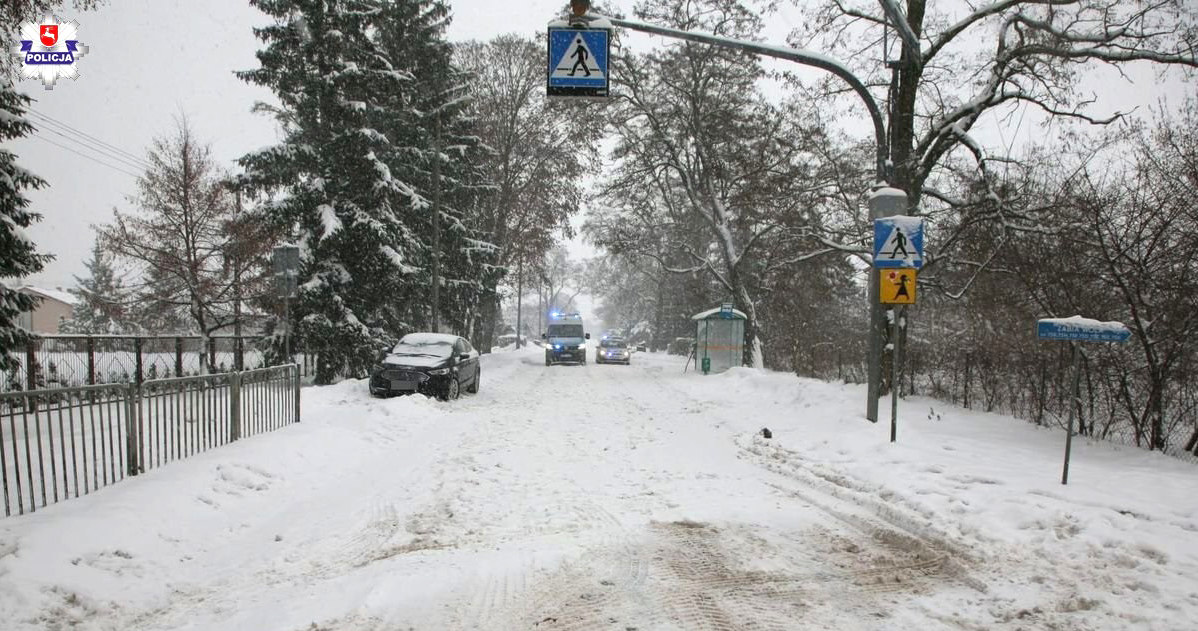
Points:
(578, 62)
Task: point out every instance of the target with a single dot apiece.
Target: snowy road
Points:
(612, 497)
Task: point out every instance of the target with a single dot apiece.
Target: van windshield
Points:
(565, 330)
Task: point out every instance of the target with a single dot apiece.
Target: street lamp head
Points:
(580, 7)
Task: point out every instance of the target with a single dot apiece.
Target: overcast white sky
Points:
(152, 60)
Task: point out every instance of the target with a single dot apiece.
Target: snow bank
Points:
(593, 494)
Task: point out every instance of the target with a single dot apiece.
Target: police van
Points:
(566, 340)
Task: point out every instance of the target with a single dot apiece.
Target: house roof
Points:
(53, 294)
(740, 315)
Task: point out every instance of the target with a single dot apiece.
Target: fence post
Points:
(91, 361)
(234, 406)
(968, 358)
(138, 366)
(178, 357)
(297, 392)
(1043, 392)
(31, 364)
(132, 429)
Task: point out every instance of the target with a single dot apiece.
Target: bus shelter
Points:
(719, 339)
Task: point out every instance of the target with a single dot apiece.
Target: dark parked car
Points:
(613, 350)
(433, 364)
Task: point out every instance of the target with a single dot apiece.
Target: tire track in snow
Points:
(924, 551)
(514, 599)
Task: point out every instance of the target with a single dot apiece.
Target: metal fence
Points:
(56, 444)
(66, 361)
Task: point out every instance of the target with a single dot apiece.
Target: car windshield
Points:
(613, 344)
(423, 348)
(565, 330)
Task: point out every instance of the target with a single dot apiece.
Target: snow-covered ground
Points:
(611, 497)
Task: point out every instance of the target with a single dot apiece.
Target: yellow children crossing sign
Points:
(897, 286)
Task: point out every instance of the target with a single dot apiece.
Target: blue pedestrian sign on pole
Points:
(578, 62)
(898, 242)
(1077, 329)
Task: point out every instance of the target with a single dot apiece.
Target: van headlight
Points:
(439, 372)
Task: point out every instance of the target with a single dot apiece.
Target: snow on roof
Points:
(710, 312)
(888, 191)
(54, 294)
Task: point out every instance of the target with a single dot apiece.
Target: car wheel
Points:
(453, 389)
(473, 389)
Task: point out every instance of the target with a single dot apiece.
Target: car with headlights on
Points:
(432, 364)
(613, 350)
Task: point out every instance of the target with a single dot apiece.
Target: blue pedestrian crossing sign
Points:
(898, 242)
(578, 62)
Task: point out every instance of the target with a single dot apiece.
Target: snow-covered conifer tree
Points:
(350, 185)
(103, 299)
(362, 85)
(18, 255)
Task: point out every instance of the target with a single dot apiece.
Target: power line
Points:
(96, 160)
(74, 139)
(103, 153)
(108, 153)
(84, 134)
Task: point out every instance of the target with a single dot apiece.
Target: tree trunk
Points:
(1192, 443)
(656, 335)
(484, 331)
(1156, 411)
(752, 352)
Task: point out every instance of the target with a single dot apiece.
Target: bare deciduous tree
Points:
(178, 236)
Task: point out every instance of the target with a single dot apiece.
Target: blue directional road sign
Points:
(898, 242)
(1081, 330)
(578, 62)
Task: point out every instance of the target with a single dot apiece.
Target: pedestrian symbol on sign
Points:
(580, 54)
(900, 243)
(898, 287)
(578, 62)
(580, 51)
